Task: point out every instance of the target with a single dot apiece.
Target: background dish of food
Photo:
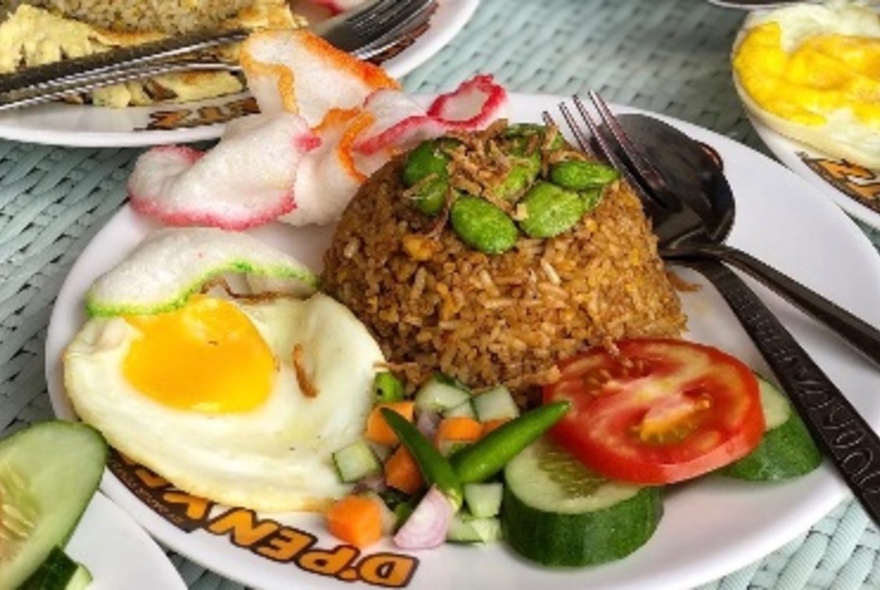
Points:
(119, 553)
(779, 93)
(855, 189)
(737, 522)
(88, 126)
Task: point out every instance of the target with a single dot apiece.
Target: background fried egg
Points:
(812, 72)
(208, 397)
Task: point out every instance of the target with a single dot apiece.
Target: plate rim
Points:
(94, 522)
(786, 150)
(768, 543)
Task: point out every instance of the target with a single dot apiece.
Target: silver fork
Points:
(844, 435)
(365, 33)
(375, 28)
(689, 231)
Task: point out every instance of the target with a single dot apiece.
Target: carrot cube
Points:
(402, 472)
(378, 430)
(356, 520)
(459, 429)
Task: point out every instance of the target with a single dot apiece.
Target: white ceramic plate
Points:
(118, 552)
(710, 527)
(850, 186)
(88, 126)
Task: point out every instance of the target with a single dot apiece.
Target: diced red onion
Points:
(374, 483)
(427, 423)
(427, 526)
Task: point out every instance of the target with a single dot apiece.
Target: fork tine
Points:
(659, 188)
(582, 139)
(606, 151)
(390, 15)
(416, 14)
(369, 12)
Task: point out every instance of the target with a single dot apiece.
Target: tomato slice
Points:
(661, 411)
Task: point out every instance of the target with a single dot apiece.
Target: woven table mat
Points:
(666, 56)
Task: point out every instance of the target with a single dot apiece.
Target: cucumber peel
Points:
(557, 513)
(48, 475)
(59, 572)
(787, 449)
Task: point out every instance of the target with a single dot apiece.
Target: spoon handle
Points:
(861, 335)
(838, 428)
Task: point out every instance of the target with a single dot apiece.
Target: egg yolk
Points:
(823, 74)
(206, 356)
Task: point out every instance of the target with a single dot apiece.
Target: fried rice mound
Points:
(436, 304)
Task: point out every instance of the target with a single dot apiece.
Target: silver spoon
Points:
(838, 428)
(702, 236)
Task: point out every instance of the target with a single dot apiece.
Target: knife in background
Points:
(58, 73)
(364, 32)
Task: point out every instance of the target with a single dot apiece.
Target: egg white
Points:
(276, 457)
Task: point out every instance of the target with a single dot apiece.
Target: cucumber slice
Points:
(48, 474)
(59, 572)
(483, 499)
(462, 410)
(356, 461)
(496, 404)
(558, 513)
(787, 449)
(440, 393)
(466, 528)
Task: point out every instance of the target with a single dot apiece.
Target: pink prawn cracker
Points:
(388, 122)
(473, 105)
(327, 122)
(244, 181)
(299, 72)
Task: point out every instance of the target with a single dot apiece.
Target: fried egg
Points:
(812, 72)
(239, 401)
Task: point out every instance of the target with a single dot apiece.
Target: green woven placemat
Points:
(665, 56)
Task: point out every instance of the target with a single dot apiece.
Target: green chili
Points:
(435, 468)
(486, 457)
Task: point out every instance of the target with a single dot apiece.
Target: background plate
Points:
(710, 527)
(836, 181)
(88, 126)
(118, 552)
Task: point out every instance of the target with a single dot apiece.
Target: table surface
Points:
(667, 56)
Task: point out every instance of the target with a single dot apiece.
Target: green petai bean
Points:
(548, 210)
(430, 196)
(592, 197)
(519, 178)
(525, 131)
(578, 175)
(481, 225)
(426, 168)
(424, 160)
